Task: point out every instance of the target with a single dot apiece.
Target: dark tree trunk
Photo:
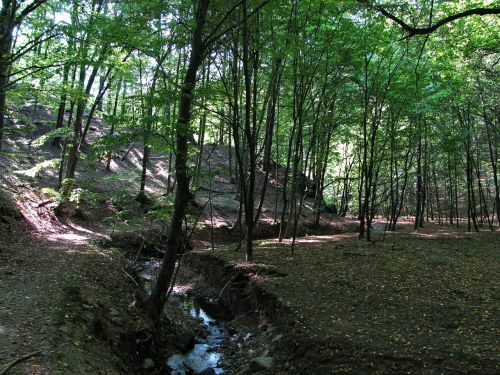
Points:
(7, 25)
(174, 242)
(113, 123)
(62, 103)
(10, 17)
(418, 195)
(250, 138)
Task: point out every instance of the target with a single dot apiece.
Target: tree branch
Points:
(412, 31)
(30, 8)
(31, 44)
(213, 38)
(430, 29)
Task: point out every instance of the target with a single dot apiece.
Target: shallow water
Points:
(206, 354)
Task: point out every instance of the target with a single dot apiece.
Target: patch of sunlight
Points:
(162, 172)
(38, 168)
(182, 289)
(217, 221)
(439, 234)
(305, 240)
(72, 238)
(242, 265)
(268, 242)
(88, 250)
(81, 229)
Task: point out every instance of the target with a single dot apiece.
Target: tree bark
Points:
(7, 25)
(174, 242)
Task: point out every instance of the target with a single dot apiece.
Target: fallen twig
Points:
(44, 203)
(8, 366)
(131, 278)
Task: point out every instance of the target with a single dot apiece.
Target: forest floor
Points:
(49, 302)
(64, 298)
(66, 301)
(424, 302)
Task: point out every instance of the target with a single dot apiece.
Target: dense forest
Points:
(272, 147)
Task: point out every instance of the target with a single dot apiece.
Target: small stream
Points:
(206, 354)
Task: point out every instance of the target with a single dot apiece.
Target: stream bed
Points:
(206, 354)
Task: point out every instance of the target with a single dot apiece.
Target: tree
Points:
(13, 13)
(157, 298)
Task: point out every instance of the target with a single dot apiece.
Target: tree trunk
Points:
(174, 242)
(249, 135)
(62, 103)
(7, 26)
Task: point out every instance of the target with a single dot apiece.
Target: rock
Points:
(261, 363)
(215, 310)
(148, 364)
(208, 371)
(185, 340)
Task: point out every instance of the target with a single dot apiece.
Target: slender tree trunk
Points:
(492, 135)
(174, 242)
(66, 139)
(62, 103)
(268, 137)
(6, 30)
(418, 196)
(77, 129)
(423, 196)
(457, 209)
(249, 135)
(201, 129)
(113, 123)
(436, 193)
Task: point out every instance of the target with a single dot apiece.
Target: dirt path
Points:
(28, 298)
(46, 284)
